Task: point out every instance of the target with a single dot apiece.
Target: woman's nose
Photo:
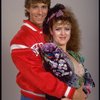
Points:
(62, 31)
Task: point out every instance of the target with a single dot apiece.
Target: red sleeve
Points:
(31, 67)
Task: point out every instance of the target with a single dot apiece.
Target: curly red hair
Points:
(68, 16)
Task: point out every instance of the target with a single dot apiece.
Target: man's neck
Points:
(39, 26)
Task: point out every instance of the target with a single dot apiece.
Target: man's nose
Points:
(40, 11)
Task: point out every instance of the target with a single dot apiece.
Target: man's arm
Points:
(78, 95)
(32, 68)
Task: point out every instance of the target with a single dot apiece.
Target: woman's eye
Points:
(57, 29)
(67, 29)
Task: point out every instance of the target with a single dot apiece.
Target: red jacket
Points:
(32, 78)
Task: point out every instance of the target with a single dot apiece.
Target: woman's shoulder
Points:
(77, 55)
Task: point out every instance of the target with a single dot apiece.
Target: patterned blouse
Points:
(58, 63)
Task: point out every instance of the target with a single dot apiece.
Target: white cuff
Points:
(67, 91)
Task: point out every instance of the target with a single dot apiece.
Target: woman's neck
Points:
(63, 47)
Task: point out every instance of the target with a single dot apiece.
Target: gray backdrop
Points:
(12, 16)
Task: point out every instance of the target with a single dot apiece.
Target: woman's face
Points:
(61, 33)
(38, 12)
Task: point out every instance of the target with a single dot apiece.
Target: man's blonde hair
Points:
(28, 3)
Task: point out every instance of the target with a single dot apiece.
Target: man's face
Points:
(38, 12)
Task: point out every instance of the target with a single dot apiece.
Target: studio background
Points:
(86, 12)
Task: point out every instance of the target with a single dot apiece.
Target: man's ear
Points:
(27, 10)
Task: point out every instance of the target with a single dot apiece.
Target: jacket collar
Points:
(30, 25)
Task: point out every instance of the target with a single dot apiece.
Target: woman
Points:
(61, 55)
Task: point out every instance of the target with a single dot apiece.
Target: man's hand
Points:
(79, 94)
(65, 99)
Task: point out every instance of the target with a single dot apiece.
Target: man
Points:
(32, 78)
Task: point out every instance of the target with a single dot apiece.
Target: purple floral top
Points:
(57, 62)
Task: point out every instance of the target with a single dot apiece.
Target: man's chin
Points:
(39, 24)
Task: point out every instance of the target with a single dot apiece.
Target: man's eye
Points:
(34, 6)
(45, 7)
